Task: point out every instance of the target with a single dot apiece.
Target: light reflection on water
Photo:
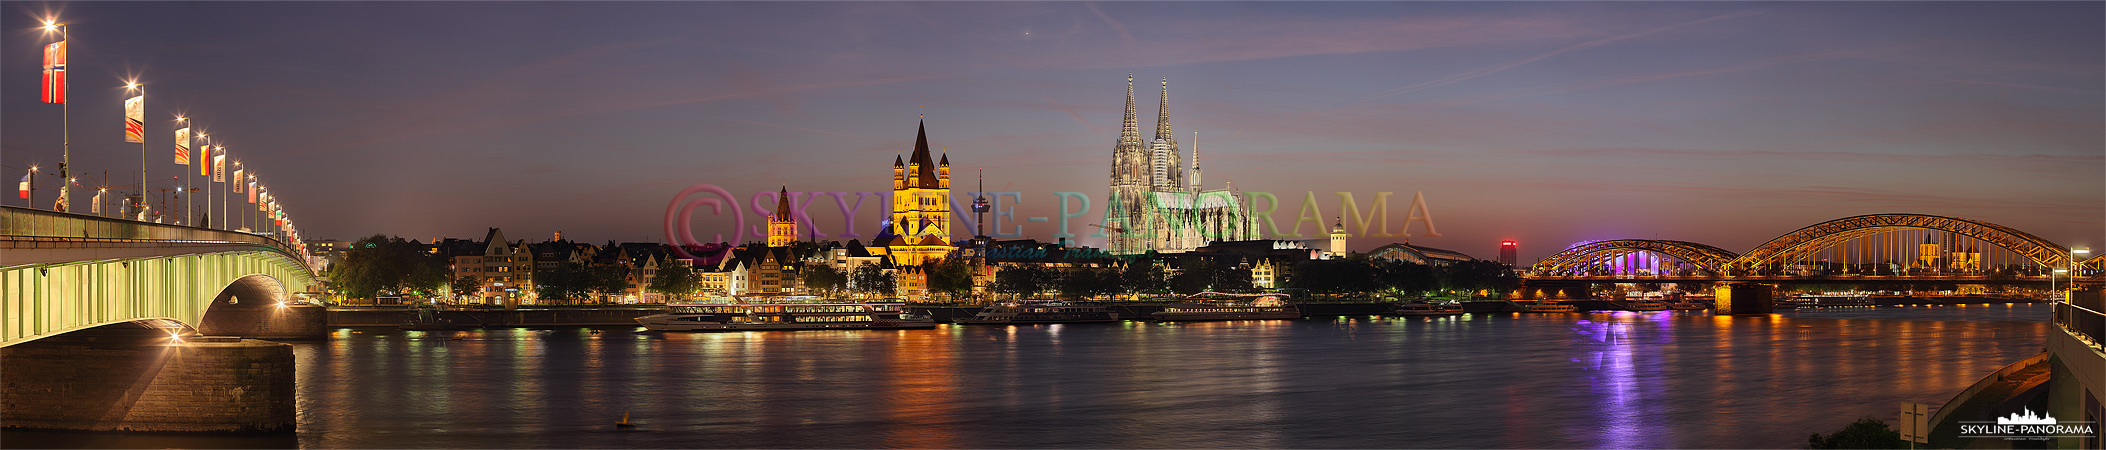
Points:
(1602, 380)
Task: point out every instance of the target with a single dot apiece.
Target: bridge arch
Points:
(43, 300)
(1578, 257)
(66, 272)
(1816, 237)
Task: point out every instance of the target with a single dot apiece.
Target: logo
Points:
(2025, 426)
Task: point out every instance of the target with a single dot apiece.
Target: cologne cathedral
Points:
(1154, 205)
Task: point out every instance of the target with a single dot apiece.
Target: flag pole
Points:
(186, 173)
(142, 146)
(65, 125)
(236, 186)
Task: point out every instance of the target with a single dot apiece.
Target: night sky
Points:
(1548, 123)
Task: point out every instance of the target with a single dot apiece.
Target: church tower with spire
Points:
(921, 205)
(1132, 171)
(1154, 204)
(782, 226)
(1167, 162)
(1195, 161)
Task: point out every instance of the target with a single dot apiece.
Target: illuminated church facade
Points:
(1155, 203)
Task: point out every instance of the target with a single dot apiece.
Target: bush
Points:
(1864, 433)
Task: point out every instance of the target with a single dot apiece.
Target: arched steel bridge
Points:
(1719, 263)
(63, 272)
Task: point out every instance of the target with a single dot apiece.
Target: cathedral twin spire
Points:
(1157, 164)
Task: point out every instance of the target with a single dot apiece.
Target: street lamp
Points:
(2074, 252)
(65, 124)
(129, 86)
(186, 172)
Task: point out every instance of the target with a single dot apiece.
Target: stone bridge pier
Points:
(135, 377)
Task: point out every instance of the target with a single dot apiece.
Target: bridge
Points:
(1882, 246)
(119, 325)
(1873, 249)
(65, 272)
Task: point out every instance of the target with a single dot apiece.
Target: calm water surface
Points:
(1601, 380)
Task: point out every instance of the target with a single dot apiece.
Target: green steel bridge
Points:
(64, 272)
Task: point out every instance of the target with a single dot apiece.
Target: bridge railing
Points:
(2084, 322)
(33, 223)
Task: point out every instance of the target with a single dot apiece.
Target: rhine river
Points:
(1597, 380)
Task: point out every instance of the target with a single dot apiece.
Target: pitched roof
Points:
(925, 175)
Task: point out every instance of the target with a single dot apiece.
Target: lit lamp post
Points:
(186, 172)
(2074, 253)
(65, 116)
(236, 187)
(130, 86)
(31, 188)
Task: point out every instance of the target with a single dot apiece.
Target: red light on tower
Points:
(1507, 252)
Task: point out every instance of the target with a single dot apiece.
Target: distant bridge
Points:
(63, 272)
(1867, 248)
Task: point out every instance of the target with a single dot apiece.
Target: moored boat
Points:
(779, 315)
(1040, 311)
(1417, 309)
(1548, 308)
(1230, 311)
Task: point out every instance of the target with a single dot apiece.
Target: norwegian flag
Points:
(55, 72)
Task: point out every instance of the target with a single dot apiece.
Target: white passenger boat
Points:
(1040, 311)
(1213, 311)
(1417, 309)
(784, 315)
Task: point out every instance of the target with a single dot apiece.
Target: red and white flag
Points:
(219, 164)
(25, 185)
(96, 206)
(135, 119)
(182, 146)
(55, 72)
(252, 192)
(237, 179)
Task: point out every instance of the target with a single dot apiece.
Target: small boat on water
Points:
(1040, 311)
(1686, 305)
(1417, 309)
(1548, 308)
(781, 314)
(1642, 305)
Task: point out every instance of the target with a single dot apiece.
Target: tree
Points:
(1407, 278)
(1025, 280)
(606, 280)
(676, 280)
(872, 279)
(951, 276)
(1476, 275)
(1206, 274)
(565, 282)
(1083, 283)
(389, 265)
(466, 286)
(1336, 276)
(1866, 432)
(1143, 275)
(824, 278)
